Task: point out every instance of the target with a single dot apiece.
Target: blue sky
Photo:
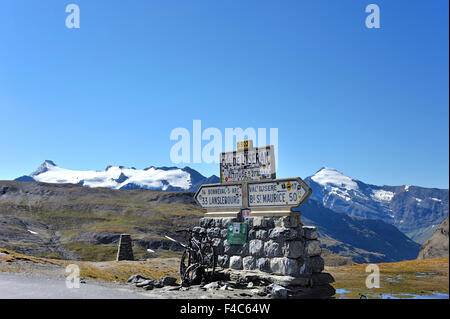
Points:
(372, 103)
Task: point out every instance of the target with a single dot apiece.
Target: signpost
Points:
(247, 163)
(282, 192)
(249, 186)
(219, 196)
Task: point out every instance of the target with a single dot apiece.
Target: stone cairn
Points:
(125, 250)
(278, 250)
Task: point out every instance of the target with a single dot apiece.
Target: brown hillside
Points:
(437, 245)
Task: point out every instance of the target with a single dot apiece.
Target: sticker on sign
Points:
(283, 192)
(245, 213)
(219, 196)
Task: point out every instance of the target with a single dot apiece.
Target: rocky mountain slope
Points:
(416, 211)
(363, 240)
(119, 177)
(437, 245)
(71, 221)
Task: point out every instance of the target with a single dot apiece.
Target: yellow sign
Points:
(244, 145)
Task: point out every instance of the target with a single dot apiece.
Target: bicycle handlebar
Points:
(201, 235)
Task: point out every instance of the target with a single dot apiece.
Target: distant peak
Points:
(166, 168)
(116, 166)
(49, 162)
(327, 169)
(44, 167)
(327, 175)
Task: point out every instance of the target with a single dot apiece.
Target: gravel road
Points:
(27, 286)
(38, 286)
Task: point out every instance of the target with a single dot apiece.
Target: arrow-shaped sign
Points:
(219, 196)
(279, 192)
(287, 192)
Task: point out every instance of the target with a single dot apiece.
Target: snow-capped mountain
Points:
(416, 211)
(119, 177)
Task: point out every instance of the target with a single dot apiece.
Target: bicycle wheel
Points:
(185, 263)
(210, 261)
(193, 275)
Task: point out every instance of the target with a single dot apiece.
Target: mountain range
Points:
(119, 177)
(74, 222)
(364, 222)
(416, 211)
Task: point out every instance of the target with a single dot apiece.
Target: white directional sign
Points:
(248, 186)
(282, 192)
(249, 164)
(219, 196)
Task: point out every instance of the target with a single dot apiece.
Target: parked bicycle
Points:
(199, 259)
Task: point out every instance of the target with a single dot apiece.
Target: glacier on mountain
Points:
(412, 209)
(119, 177)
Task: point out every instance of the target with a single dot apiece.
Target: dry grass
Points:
(395, 278)
(418, 277)
(122, 270)
(12, 256)
(107, 271)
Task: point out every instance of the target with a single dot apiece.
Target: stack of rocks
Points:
(125, 250)
(276, 247)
